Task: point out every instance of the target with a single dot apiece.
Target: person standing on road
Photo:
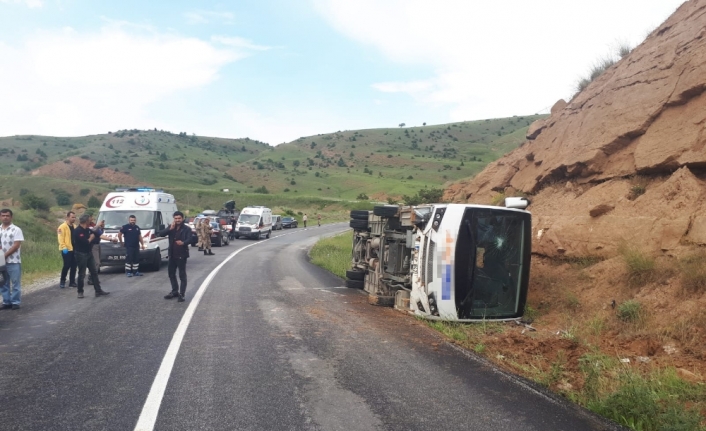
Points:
(304, 220)
(318, 219)
(66, 247)
(11, 239)
(206, 235)
(83, 240)
(179, 235)
(133, 242)
(98, 230)
(197, 228)
(233, 223)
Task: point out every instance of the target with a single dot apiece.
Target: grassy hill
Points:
(382, 163)
(379, 163)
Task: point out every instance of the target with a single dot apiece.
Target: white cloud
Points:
(72, 83)
(205, 17)
(32, 4)
(490, 59)
(239, 42)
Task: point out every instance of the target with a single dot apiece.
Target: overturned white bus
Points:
(451, 262)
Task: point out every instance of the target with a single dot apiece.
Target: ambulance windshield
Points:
(114, 220)
(249, 218)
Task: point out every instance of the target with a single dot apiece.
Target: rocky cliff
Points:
(624, 160)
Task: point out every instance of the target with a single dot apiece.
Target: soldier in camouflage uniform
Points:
(197, 229)
(206, 235)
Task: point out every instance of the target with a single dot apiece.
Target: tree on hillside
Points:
(424, 196)
(402, 124)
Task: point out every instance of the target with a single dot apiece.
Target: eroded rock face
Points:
(644, 116)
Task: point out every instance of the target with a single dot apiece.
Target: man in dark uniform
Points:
(233, 223)
(133, 241)
(83, 239)
(179, 236)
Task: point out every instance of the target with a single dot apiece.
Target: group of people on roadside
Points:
(79, 254)
(76, 244)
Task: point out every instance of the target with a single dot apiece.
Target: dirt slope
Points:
(621, 166)
(83, 170)
(624, 160)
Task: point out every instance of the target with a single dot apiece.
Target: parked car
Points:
(288, 222)
(276, 222)
(219, 234)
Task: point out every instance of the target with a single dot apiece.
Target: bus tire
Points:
(355, 275)
(386, 210)
(355, 284)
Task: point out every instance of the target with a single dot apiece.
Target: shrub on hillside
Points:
(94, 202)
(262, 190)
(362, 197)
(31, 201)
(63, 199)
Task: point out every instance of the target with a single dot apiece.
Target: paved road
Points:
(274, 343)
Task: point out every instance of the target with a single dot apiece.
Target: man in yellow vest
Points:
(66, 247)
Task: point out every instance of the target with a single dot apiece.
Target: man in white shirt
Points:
(11, 240)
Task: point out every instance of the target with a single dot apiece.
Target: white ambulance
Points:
(254, 222)
(154, 211)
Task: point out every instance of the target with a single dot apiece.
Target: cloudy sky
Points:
(275, 70)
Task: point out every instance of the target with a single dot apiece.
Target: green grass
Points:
(334, 253)
(659, 400)
(640, 266)
(630, 311)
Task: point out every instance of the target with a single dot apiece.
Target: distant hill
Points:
(380, 163)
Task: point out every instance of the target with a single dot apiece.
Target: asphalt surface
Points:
(275, 343)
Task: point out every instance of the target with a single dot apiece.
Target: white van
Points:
(276, 222)
(154, 211)
(253, 222)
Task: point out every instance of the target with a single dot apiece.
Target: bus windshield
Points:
(492, 263)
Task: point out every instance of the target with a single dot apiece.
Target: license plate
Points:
(116, 257)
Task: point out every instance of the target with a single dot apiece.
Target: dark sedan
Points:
(288, 222)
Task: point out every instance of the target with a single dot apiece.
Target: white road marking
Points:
(150, 410)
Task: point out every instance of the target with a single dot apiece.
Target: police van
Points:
(254, 222)
(154, 211)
